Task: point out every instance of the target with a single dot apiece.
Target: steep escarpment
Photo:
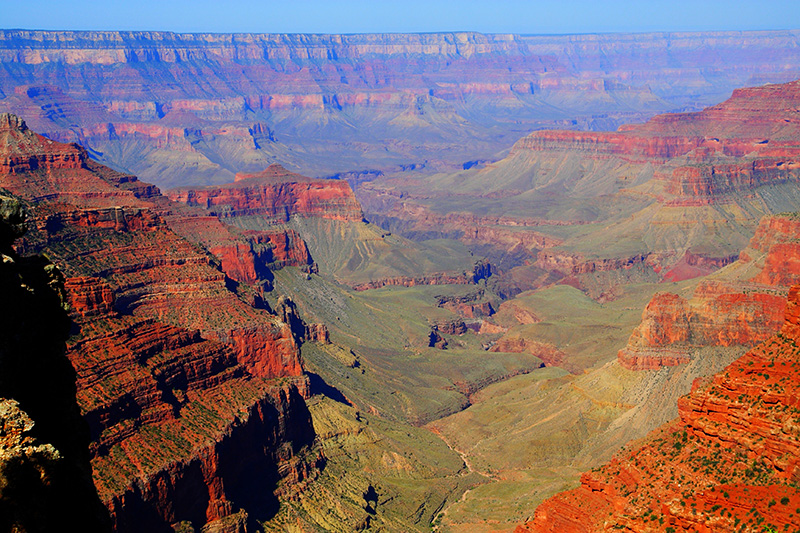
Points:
(671, 199)
(741, 305)
(180, 430)
(319, 223)
(45, 477)
(276, 195)
(176, 374)
(331, 104)
(729, 463)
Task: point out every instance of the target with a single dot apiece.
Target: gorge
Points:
(405, 282)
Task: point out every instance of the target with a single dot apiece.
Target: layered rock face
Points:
(337, 103)
(175, 373)
(289, 219)
(729, 463)
(275, 195)
(743, 305)
(671, 199)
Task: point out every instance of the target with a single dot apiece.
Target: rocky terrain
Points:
(250, 352)
(186, 348)
(671, 199)
(729, 463)
(176, 375)
(45, 477)
(180, 109)
(322, 219)
(742, 304)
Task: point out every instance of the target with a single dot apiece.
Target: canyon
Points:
(174, 372)
(380, 291)
(674, 198)
(180, 109)
(728, 463)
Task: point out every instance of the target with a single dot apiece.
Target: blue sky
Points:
(356, 16)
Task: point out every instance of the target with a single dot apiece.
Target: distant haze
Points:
(379, 16)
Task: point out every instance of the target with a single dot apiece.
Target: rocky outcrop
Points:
(412, 220)
(729, 463)
(275, 195)
(405, 281)
(602, 144)
(737, 310)
(451, 327)
(244, 256)
(435, 339)
(548, 353)
(176, 375)
(470, 305)
(481, 270)
(572, 264)
(45, 477)
(280, 248)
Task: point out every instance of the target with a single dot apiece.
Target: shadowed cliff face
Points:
(44, 459)
(181, 108)
(729, 463)
(176, 375)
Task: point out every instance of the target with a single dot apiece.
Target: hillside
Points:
(174, 372)
(674, 198)
(729, 463)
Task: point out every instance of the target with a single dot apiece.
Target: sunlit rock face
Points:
(730, 462)
(177, 377)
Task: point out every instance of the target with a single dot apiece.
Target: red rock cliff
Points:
(729, 463)
(175, 373)
(723, 311)
(276, 195)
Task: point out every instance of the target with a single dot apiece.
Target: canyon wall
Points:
(742, 305)
(671, 199)
(194, 399)
(275, 195)
(729, 463)
(45, 476)
(318, 224)
(188, 108)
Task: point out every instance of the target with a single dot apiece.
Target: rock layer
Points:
(276, 195)
(729, 463)
(741, 308)
(175, 373)
(669, 200)
(337, 103)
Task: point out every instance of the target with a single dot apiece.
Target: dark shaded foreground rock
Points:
(45, 476)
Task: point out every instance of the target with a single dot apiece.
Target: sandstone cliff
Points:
(742, 305)
(175, 373)
(275, 195)
(319, 223)
(729, 463)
